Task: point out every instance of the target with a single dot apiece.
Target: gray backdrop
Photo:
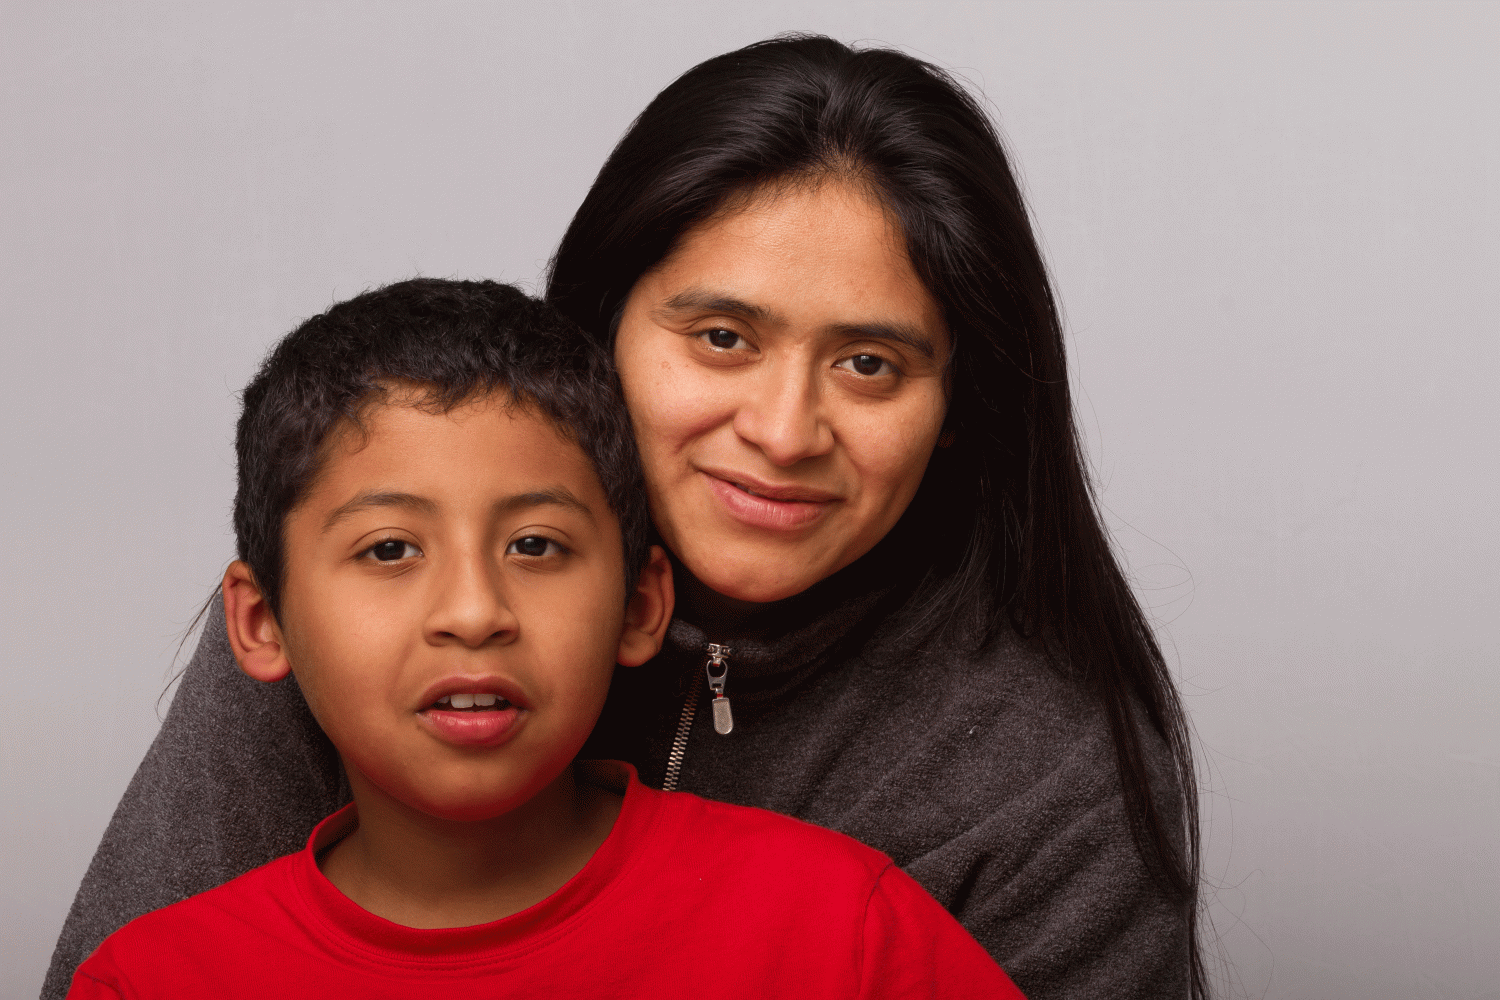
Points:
(1273, 228)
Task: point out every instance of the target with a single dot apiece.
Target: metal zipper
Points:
(723, 718)
(717, 659)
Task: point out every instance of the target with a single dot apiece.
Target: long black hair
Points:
(1024, 539)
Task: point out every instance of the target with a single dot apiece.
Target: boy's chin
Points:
(484, 803)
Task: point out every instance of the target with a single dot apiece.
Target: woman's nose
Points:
(782, 414)
(469, 605)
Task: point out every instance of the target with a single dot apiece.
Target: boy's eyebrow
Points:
(379, 498)
(557, 496)
(702, 300)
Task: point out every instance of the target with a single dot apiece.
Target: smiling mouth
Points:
(470, 703)
(776, 494)
(768, 507)
(745, 489)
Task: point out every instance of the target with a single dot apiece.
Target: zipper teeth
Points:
(679, 742)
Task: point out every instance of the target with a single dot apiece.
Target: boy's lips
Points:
(501, 687)
(454, 710)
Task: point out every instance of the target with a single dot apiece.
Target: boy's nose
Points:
(469, 606)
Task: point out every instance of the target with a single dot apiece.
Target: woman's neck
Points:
(720, 615)
(710, 610)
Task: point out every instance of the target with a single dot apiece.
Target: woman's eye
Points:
(724, 340)
(392, 550)
(534, 545)
(868, 364)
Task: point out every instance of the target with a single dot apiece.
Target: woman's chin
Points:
(757, 582)
(761, 593)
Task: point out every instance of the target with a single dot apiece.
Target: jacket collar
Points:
(791, 634)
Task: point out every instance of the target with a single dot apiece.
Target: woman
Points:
(899, 615)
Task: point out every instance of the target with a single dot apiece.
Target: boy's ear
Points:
(649, 612)
(253, 632)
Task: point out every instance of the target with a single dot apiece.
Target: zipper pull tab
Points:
(717, 670)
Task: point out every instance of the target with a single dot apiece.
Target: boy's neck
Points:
(421, 871)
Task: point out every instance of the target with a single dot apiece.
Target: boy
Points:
(442, 532)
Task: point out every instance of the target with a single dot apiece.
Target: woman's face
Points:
(784, 370)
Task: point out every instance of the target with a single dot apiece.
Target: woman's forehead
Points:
(826, 254)
(835, 205)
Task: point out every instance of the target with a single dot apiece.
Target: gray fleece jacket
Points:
(983, 772)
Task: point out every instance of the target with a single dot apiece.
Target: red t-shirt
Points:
(685, 898)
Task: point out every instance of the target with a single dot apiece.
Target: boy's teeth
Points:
(473, 700)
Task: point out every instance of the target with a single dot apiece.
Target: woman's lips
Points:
(771, 507)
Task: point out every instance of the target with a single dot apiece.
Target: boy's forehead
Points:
(484, 445)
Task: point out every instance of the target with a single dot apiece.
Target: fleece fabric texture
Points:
(685, 898)
(983, 771)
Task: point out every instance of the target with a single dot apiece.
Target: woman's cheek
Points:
(891, 450)
(676, 403)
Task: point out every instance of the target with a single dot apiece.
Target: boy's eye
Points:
(534, 545)
(724, 340)
(392, 550)
(868, 365)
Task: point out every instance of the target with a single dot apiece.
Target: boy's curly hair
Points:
(454, 340)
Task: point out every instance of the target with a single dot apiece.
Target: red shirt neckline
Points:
(345, 924)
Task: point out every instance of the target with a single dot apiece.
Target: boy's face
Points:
(447, 560)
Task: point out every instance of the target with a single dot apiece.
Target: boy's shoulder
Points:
(201, 929)
(762, 890)
(761, 831)
(694, 846)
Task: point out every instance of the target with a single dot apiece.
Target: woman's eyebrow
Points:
(702, 300)
(900, 333)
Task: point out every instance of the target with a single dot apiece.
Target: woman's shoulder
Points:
(1016, 705)
(996, 760)
(1021, 828)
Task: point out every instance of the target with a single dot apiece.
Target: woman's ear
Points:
(253, 632)
(649, 612)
